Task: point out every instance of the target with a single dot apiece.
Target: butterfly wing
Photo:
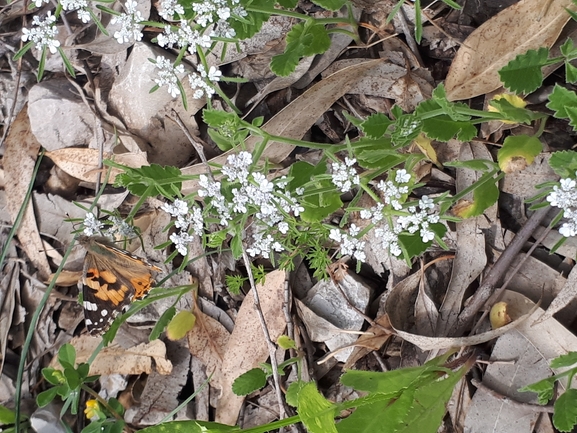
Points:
(112, 278)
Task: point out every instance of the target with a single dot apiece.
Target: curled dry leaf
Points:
(82, 163)
(528, 24)
(115, 359)
(399, 307)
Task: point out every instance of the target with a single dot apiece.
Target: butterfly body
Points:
(112, 278)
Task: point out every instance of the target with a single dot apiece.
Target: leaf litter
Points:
(415, 305)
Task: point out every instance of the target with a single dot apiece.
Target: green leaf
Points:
(565, 415)
(512, 113)
(288, 4)
(564, 163)
(67, 354)
(72, 378)
(518, 152)
(385, 415)
(293, 392)
(53, 376)
(559, 99)
(180, 325)
(316, 412)
(406, 128)
(376, 125)
(47, 396)
(485, 195)
(566, 360)
(523, 73)
(430, 404)
(285, 63)
(442, 127)
(7, 416)
(162, 323)
(449, 108)
(249, 382)
(544, 388)
(330, 5)
(149, 181)
(570, 73)
(253, 22)
(190, 427)
(320, 198)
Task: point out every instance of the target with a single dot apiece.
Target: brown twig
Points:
(493, 277)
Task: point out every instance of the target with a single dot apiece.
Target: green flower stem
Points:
(488, 177)
(101, 401)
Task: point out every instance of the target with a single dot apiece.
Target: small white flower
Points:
(402, 176)
(168, 75)
(43, 34)
(344, 175)
(91, 225)
(167, 9)
(130, 29)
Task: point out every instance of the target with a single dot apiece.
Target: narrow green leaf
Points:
(330, 5)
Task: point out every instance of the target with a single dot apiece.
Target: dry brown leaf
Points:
(19, 160)
(373, 339)
(82, 163)
(470, 259)
(290, 122)
(246, 347)
(115, 359)
(207, 341)
(567, 294)
(528, 24)
(400, 304)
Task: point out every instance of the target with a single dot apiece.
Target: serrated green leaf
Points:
(315, 411)
(319, 40)
(439, 100)
(559, 99)
(376, 125)
(284, 64)
(149, 180)
(565, 415)
(513, 114)
(443, 128)
(293, 392)
(564, 163)
(544, 388)
(249, 382)
(570, 73)
(518, 152)
(523, 73)
(566, 360)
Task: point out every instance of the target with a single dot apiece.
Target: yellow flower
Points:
(514, 100)
(92, 409)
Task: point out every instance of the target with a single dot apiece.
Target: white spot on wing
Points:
(90, 306)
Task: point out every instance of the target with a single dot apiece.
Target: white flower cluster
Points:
(130, 29)
(81, 6)
(167, 9)
(394, 191)
(253, 193)
(184, 36)
(168, 75)
(187, 218)
(564, 197)
(218, 12)
(44, 34)
(199, 81)
(344, 175)
(350, 244)
(417, 220)
(93, 226)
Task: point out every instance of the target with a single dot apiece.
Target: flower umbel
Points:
(43, 34)
(130, 30)
(564, 197)
(168, 75)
